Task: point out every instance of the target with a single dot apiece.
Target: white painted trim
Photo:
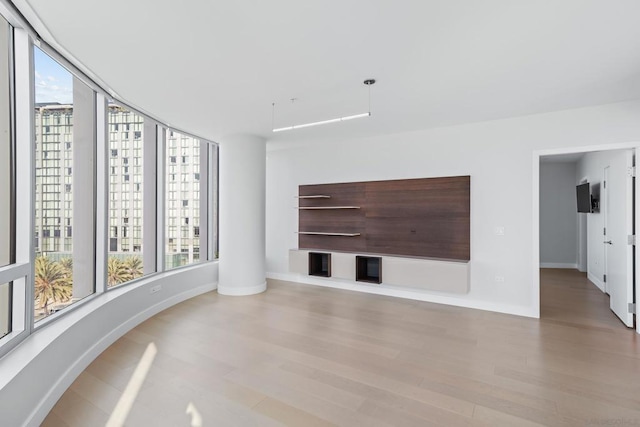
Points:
(636, 247)
(599, 283)
(535, 272)
(243, 290)
(396, 291)
(558, 265)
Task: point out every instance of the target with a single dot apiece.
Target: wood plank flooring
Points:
(309, 356)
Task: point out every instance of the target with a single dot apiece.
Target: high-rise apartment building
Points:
(54, 178)
(54, 186)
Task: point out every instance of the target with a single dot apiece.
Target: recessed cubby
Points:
(319, 264)
(369, 269)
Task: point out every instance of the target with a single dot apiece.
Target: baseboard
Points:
(242, 290)
(558, 265)
(408, 293)
(599, 283)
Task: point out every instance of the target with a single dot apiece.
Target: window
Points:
(122, 265)
(56, 283)
(64, 180)
(6, 163)
(5, 309)
(183, 248)
(7, 175)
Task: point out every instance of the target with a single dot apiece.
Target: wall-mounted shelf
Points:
(327, 207)
(320, 233)
(316, 196)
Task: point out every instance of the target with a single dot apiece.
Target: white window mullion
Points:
(205, 170)
(150, 195)
(160, 200)
(102, 193)
(24, 175)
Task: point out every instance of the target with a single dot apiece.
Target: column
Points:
(242, 215)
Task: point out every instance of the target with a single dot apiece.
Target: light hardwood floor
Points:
(310, 356)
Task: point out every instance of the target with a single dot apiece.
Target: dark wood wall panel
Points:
(427, 217)
(339, 220)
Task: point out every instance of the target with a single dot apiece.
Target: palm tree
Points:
(117, 272)
(52, 284)
(133, 264)
(67, 266)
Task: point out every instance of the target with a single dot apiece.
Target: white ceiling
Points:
(215, 67)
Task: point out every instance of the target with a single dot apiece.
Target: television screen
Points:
(584, 198)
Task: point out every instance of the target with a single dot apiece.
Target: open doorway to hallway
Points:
(586, 227)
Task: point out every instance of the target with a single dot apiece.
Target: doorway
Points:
(611, 254)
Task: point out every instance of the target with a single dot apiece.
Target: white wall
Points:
(591, 167)
(558, 215)
(497, 154)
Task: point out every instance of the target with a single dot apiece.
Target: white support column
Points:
(242, 215)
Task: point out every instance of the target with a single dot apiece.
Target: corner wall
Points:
(498, 156)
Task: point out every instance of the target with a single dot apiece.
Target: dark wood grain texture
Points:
(427, 217)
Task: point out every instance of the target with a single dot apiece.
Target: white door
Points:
(618, 226)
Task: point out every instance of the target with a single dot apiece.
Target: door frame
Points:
(537, 154)
(604, 208)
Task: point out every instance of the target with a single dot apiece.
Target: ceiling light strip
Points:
(323, 122)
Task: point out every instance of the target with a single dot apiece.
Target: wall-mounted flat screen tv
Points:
(583, 194)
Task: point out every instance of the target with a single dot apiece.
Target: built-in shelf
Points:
(327, 207)
(369, 269)
(319, 264)
(317, 196)
(320, 233)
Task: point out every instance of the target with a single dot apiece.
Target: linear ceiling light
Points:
(367, 82)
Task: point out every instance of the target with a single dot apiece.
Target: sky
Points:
(53, 82)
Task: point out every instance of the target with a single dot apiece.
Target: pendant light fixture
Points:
(368, 82)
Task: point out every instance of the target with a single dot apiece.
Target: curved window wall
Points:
(106, 194)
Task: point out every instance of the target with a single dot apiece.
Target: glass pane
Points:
(182, 213)
(5, 309)
(55, 265)
(6, 176)
(125, 130)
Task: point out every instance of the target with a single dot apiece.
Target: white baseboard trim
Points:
(599, 283)
(395, 291)
(558, 265)
(239, 291)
